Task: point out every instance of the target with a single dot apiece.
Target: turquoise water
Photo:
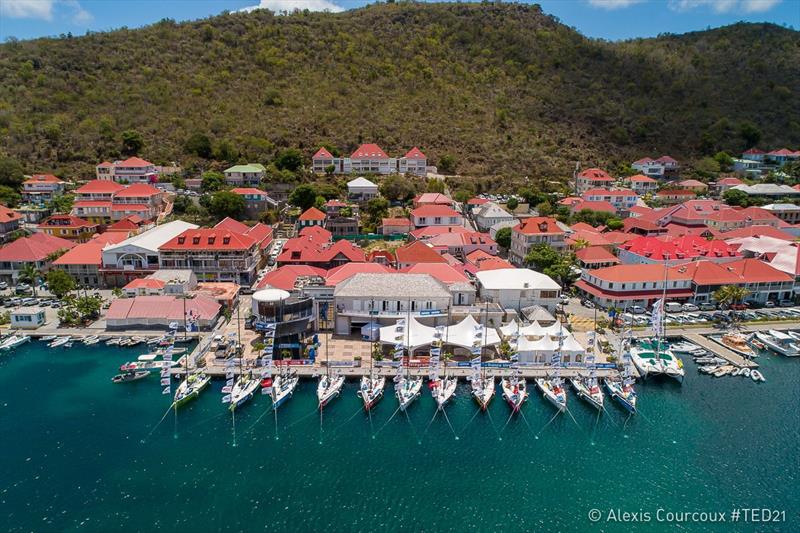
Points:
(80, 453)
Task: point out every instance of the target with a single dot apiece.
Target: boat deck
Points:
(719, 350)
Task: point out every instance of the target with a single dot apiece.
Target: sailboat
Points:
(329, 385)
(244, 387)
(408, 388)
(283, 387)
(442, 389)
(191, 387)
(482, 386)
(552, 388)
(587, 388)
(371, 388)
(514, 391)
(621, 388)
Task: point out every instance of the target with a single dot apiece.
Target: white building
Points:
(788, 212)
(132, 170)
(361, 190)
(249, 175)
(516, 288)
(662, 167)
(491, 214)
(414, 162)
(27, 318)
(370, 159)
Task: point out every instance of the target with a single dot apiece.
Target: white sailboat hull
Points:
(328, 389)
(515, 392)
(445, 390)
(595, 399)
(282, 389)
(371, 391)
(483, 391)
(558, 398)
(408, 390)
(243, 390)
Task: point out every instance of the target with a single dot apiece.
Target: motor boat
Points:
(755, 375)
(779, 342)
(13, 341)
(127, 377)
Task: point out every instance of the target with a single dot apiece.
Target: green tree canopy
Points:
(132, 142)
(11, 173)
(512, 203)
(397, 188)
(735, 197)
(9, 196)
(212, 181)
(198, 144)
(226, 204)
(59, 283)
(303, 196)
(290, 159)
(447, 164)
(503, 237)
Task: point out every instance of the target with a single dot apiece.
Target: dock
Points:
(719, 350)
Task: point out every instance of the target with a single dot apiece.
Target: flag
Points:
(657, 318)
(226, 398)
(165, 391)
(165, 373)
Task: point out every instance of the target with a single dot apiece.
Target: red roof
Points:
(415, 153)
(596, 254)
(163, 308)
(312, 213)
(435, 210)
(628, 295)
(692, 183)
(754, 151)
(43, 178)
(8, 215)
(134, 162)
(601, 206)
(582, 226)
(418, 252)
(138, 190)
(493, 263)
(68, 221)
(402, 222)
(676, 192)
(593, 238)
(335, 203)
(757, 271)
(129, 223)
(644, 161)
(430, 231)
(665, 159)
(477, 201)
(685, 247)
(248, 190)
(369, 151)
(316, 233)
(432, 198)
(758, 231)
(639, 178)
(782, 151)
(595, 174)
(100, 187)
(730, 181)
(105, 164)
(286, 276)
(230, 224)
(313, 248)
(33, 248)
(441, 271)
(609, 192)
(344, 272)
(539, 225)
(209, 239)
(630, 224)
(322, 153)
(261, 233)
(478, 255)
(460, 239)
(88, 253)
(145, 283)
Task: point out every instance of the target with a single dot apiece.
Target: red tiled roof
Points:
(460, 239)
(129, 223)
(601, 206)
(570, 200)
(134, 162)
(88, 253)
(754, 151)
(335, 203)
(322, 153)
(782, 151)
(692, 183)
(628, 295)
(435, 210)
(665, 159)
(640, 223)
(312, 213)
(138, 190)
(33, 248)
(145, 283)
(757, 231)
(441, 271)
(478, 255)
(386, 254)
(105, 164)
(493, 263)
(477, 201)
(344, 272)
(730, 181)
(312, 249)
(433, 198)
(316, 233)
(8, 215)
(248, 190)
(638, 273)
(415, 153)
(72, 222)
(539, 225)
(43, 178)
(162, 307)
(209, 239)
(591, 237)
(286, 276)
(595, 174)
(233, 225)
(418, 252)
(396, 221)
(100, 186)
(430, 231)
(618, 237)
(596, 254)
(639, 178)
(678, 248)
(644, 161)
(261, 233)
(92, 203)
(757, 271)
(369, 151)
(583, 226)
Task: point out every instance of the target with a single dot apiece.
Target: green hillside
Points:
(503, 88)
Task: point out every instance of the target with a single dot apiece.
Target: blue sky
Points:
(607, 19)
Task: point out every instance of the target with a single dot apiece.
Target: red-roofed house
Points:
(68, 227)
(35, 250)
(41, 188)
(675, 251)
(784, 155)
(313, 247)
(430, 231)
(593, 178)
(693, 185)
(724, 184)
(144, 287)
(534, 231)
(286, 277)
(662, 167)
(323, 159)
(436, 215)
(256, 201)
(213, 254)
(641, 184)
(642, 226)
(754, 154)
(416, 252)
(675, 196)
(131, 170)
(93, 200)
(597, 207)
(129, 225)
(9, 222)
(493, 263)
(396, 226)
(382, 257)
(103, 201)
(588, 238)
(621, 199)
(311, 217)
(147, 312)
(370, 159)
(758, 231)
(460, 244)
(414, 162)
(596, 257)
(432, 198)
(346, 271)
(83, 261)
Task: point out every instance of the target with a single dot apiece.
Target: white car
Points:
(638, 310)
(689, 308)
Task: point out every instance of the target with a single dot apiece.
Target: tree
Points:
(462, 196)
(580, 244)
(61, 204)
(549, 261)
(708, 167)
(30, 274)
(226, 204)
(9, 197)
(303, 196)
(750, 134)
(376, 209)
(59, 283)
(728, 295)
(735, 197)
(11, 173)
(225, 151)
(503, 238)
(396, 188)
(88, 307)
(132, 142)
(198, 144)
(512, 203)
(329, 170)
(434, 185)
(724, 160)
(116, 292)
(544, 209)
(447, 164)
(181, 204)
(290, 159)
(212, 181)
(614, 224)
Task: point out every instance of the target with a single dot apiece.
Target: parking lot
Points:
(708, 317)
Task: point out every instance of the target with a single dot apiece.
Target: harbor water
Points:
(80, 453)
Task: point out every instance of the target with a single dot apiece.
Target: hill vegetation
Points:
(484, 89)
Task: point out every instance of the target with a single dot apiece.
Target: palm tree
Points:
(580, 244)
(30, 274)
(730, 294)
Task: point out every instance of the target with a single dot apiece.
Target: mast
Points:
(446, 337)
(408, 339)
(483, 346)
(661, 325)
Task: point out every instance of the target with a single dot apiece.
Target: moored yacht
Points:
(588, 390)
(483, 391)
(329, 388)
(443, 389)
(622, 391)
(283, 387)
(779, 342)
(407, 390)
(243, 390)
(371, 390)
(13, 341)
(190, 388)
(553, 391)
(515, 391)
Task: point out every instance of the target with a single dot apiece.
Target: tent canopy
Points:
(417, 335)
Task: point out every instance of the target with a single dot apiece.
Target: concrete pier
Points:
(719, 350)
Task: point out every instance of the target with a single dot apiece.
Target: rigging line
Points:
(626, 421)
(209, 419)
(609, 418)
(419, 439)
(492, 421)
(337, 428)
(548, 423)
(449, 424)
(233, 418)
(431, 422)
(301, 419)
(477, 410)
(572, 417)
(525, 418)
(371, 426)
(507, 421)
(159, 423)
(384, 424)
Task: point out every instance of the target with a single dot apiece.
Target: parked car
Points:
(28, 301)
(23, 288)
(707, 306)
(638, 310)
(787, 303)
(672, 307)
(564, 299)
(3, 285)
(739, 307)
(689, 308)
(769, 303)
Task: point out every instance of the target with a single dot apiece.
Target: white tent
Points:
(463, 334)
(413, 335)
(571, 346)
(509, 329)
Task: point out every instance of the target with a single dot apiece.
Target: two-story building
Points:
(84, 261)
(621, 199)
(641, 184)
(40, 189)
(532, 232)
(249, 175)
(592, 178)
(140, 199)
(663, 167)
(414, 162)
(517, 288)
(93, 200)
(310, 217)
(436, 215)
(370, 159)
(131, 170)
(212, 254)
(361, 190)
(38, 251)
(10, 221)
(787, 212)
(491, 214)
(68, 227)
(256, 201)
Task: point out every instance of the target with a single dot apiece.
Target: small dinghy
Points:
(127, 377)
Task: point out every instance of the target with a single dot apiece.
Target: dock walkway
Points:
(718, 349)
